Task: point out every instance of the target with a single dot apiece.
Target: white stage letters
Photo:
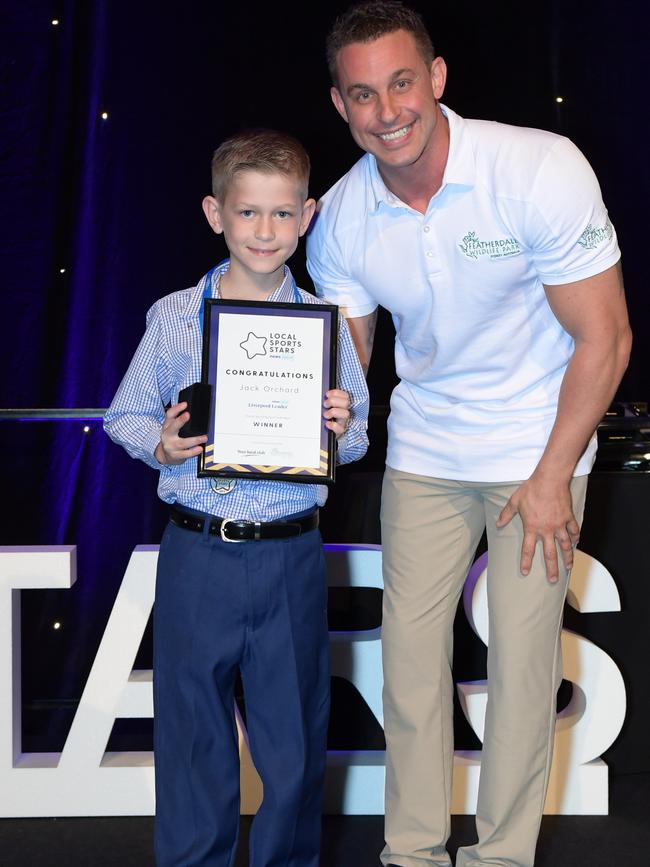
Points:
(85, 780)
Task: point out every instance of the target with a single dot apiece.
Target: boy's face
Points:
(262, 217)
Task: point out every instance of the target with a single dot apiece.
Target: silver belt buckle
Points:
(222, 528)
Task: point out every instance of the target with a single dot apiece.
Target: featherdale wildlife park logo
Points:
(472, 247)
(500, 248)
(593, 236)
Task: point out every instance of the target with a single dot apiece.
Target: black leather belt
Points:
(232, 530)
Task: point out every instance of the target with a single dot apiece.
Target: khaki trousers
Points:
(430, 530)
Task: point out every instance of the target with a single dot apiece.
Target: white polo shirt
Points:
(478, 351)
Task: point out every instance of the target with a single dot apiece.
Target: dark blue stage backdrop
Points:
(110, 112)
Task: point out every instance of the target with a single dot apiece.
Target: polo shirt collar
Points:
(460, 168)
(461, 163)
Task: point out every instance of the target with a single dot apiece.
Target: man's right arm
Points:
(362, 329)
(330, 262)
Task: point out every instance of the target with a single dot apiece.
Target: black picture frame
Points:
(267, 390)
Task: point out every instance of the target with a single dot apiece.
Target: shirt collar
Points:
(461, 162)
(286, 291)
(460, 168)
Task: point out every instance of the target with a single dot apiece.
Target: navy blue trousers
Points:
(259, 607)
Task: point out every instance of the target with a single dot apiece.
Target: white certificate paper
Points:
(270, 390)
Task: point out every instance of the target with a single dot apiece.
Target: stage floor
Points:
(621, 839)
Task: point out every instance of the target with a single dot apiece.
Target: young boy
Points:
(260, 606)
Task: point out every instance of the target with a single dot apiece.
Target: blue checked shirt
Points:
(168, 359)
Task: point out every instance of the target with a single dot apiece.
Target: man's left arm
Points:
(594, 313)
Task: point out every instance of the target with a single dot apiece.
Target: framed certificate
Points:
(269, 366)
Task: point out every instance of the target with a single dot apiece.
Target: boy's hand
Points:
(173, 449)
(337, 405)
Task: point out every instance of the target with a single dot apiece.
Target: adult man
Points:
(492, 250)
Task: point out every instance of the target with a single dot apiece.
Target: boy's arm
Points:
(353, 443)
(135, 417)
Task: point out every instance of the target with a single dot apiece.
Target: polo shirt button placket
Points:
(430, 252)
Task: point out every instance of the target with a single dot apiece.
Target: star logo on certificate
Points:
(254, 345)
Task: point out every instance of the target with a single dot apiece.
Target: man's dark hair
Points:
(365, 22)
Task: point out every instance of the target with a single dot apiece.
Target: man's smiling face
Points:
(387, 94)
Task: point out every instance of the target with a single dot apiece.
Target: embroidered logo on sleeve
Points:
(593, 236)
(472, 247)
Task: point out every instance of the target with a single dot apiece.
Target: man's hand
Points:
(173, 449)
(337, 405)
(546, 512)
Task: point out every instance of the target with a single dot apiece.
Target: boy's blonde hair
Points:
(266, 151)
